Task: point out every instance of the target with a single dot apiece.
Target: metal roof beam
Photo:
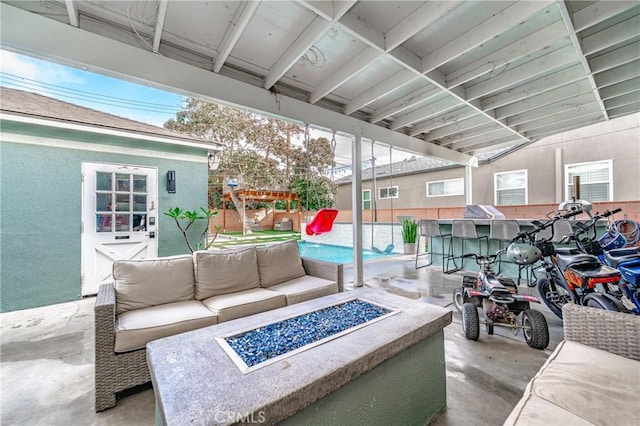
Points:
(73, 12)
(620, 89)
(598, 12)
(617, 75)
(500, 58)
(613, 35)
(458, 127)
(78, 47)
(492, 27)
(565, 125)
(442, 105)
(318, 27)
(496, 136)
(546, 98)
(443, 120)
(566, 17)
(624, 55)
(408, 101)
(570, 103)
(544, 65)
(238, 23)
(346, 71)
(533, 88)
(160, 17)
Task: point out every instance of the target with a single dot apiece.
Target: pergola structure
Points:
(260, 195)
(446, 79)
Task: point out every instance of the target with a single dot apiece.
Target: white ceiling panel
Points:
(441, 78)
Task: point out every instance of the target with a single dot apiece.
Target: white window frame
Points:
(495, 185)
(569, 183)
(369, 200)
(444, 182)
(380, 197)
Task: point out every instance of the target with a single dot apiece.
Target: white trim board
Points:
(87, 146)
(104, 131)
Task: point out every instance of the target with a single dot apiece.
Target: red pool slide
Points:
(322, 221)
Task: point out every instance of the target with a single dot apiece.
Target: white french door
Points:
(119, 219)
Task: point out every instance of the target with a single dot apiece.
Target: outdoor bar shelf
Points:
(387, 371)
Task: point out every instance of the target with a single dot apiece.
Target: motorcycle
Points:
(625, 260)
(570, 276)
(498, 297)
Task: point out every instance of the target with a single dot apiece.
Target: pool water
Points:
(333, 253)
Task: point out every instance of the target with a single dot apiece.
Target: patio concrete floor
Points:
(47, 355)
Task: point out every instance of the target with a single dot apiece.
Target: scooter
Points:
(569, 276)
(625, 260)
(498, 297)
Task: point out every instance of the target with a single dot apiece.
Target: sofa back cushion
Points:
(225, 272)
(141, 283)
(278, 263)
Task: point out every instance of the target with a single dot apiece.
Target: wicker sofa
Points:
(592, 378)
(154, 298)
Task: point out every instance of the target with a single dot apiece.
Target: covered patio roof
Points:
(445, 79)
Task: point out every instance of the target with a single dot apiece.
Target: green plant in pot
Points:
(409, 235)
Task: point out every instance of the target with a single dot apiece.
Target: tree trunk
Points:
(246, 227)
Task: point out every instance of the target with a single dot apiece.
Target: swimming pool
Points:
(333, 253)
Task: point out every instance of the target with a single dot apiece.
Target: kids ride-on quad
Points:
(498, 297)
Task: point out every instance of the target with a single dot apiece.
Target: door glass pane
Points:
(104, 203)
(139, 203)
(103, 223)
(103, 181)
(122, 222)
(139, 183)
(139, 222)
(122, 182)
(122, 202)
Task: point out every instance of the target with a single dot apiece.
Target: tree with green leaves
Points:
(261, 151)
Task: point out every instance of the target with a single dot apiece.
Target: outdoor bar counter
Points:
(483, 228)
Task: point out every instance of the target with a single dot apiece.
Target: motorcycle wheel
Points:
(535, 329)
(553, 301)
(458, 299)
(470, 321)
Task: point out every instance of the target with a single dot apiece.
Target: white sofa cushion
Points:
(279, 262)
(134, 329)
(305, 288)
(141, 283)
(576, 382)
(225, 272)
(242, 303)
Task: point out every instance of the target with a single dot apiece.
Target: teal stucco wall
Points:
(40, 211)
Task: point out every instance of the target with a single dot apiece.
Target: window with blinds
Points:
(510, 188)
(443, 188)
(595, 180)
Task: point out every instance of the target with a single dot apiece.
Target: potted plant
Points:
(409, 235)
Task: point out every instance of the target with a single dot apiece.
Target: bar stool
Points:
(463, 230)
(430, 229)
(503, 231)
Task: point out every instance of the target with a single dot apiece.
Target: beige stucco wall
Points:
(617, 140)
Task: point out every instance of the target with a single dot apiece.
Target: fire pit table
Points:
(362, 356)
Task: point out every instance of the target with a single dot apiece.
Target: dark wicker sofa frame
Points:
(115, 372)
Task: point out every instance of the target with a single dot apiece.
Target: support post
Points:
(356, 208)
(468, 190)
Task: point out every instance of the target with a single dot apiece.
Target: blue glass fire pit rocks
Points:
(273, 340)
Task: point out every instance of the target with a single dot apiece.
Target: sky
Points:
(131, 100)
(76, 86)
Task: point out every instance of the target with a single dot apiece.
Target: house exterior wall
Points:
(40, 212)
(616, 140)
